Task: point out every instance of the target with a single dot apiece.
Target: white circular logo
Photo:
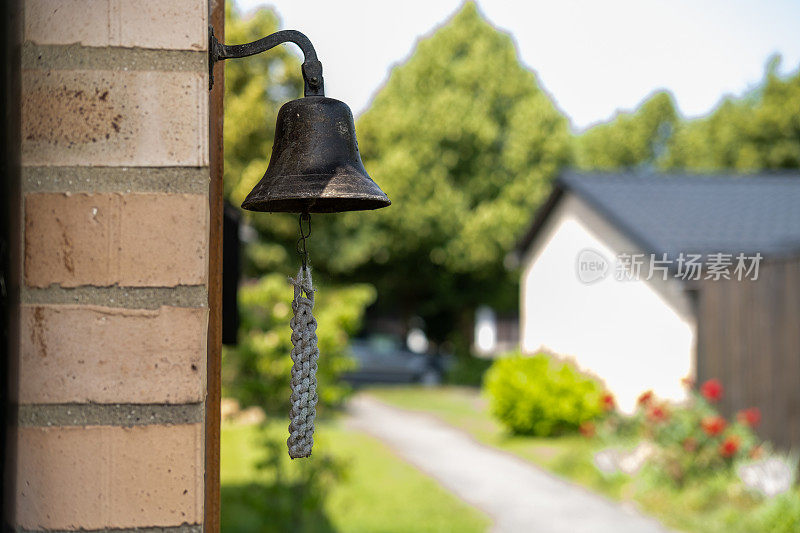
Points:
(591, 266)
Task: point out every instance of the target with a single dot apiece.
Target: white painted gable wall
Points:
(634, 335)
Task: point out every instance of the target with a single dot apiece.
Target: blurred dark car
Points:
(385, 359)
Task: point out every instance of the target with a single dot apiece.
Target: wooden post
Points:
(212, 419)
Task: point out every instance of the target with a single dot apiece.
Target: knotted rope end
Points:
(305, 355)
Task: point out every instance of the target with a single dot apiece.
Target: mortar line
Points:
(116, 414)
(116, 296)
(187, 180)
(77, 57)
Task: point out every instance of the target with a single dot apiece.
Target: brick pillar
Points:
(114, 299)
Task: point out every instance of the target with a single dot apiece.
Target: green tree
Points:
(757, 131)
(760, 130)
(465, 144)
(255, 88)
(629, 140)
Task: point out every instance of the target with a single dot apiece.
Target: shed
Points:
(646, 278)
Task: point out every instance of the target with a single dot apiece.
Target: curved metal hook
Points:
(314, 85)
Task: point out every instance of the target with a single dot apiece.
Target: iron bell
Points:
(315, 166)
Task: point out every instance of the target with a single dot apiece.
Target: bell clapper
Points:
(305, 355)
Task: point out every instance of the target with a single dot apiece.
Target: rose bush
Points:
(692, 439)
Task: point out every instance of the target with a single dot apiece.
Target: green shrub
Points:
(257, 370)
(541, 396)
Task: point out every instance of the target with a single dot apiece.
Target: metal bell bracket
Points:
(305, 353)
(314, 85)
(316, 168)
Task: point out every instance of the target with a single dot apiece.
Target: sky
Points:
(593, 57)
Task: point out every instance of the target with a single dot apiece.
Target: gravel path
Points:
(518, 496)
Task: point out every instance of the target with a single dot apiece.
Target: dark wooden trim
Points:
(211, 519)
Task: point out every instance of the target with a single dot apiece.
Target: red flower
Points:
(587, 429)
(608, 402)
(751, 416)
(712, 390)
(729, 446)
(658, 413)
(713, 425)
(690, 444)
(645, 398)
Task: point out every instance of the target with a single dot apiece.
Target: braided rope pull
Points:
(305, 355)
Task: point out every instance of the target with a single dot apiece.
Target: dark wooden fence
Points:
(749, 337)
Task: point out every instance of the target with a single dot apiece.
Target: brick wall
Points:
(114, 296)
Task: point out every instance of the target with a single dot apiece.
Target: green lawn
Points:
(715, 505)
(352, 483)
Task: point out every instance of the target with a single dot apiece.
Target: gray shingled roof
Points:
(692, 213)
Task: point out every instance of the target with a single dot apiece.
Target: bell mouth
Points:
(311, 203)
(345, 190)
(317, 205)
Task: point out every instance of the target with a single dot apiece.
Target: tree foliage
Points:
(461, 138)
(630, 140)
(255, 88)
(758, 131)
(465, 143)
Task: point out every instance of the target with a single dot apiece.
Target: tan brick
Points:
(165, 24)
(75, 354)
(132, 240)
(109, 477)
(67, 21)
(112, 118)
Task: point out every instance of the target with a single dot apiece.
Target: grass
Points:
(717, 504)
(352, 483)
